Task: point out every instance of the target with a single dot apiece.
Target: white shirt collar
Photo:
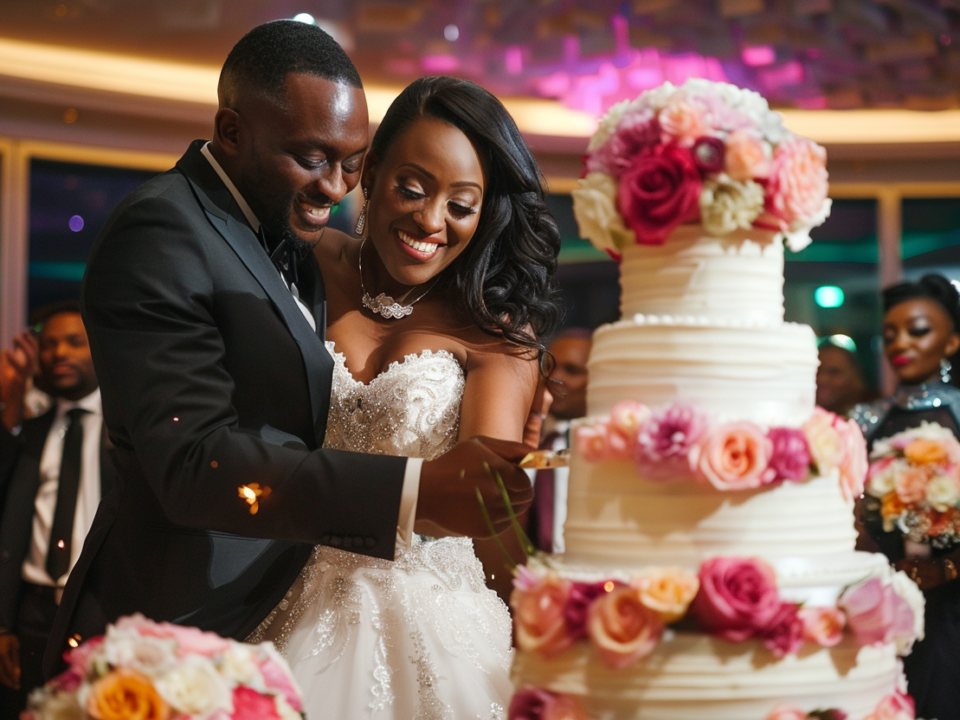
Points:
(91, 403)
(245, 209)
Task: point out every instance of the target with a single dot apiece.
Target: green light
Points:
(828, 296)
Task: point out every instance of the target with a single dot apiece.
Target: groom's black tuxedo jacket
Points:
(211, 380)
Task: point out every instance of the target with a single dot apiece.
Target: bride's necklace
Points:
(383, 304)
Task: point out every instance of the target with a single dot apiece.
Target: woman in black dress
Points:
(921, 338)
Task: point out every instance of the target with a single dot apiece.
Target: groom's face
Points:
(300, 157)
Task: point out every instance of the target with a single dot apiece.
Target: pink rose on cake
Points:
(539, 614)
(681, 121)
(823, 625)
(823, 440)
(623, 630)
(659, 192)
(854, 463)
(665, 441)
(877, 613)
(898, 706)
(745, 157)
(738, 597)
(575, 613)
(785, 712)
(537, 704)
(784, 633)
(734, 456)
(627, 416)
(667, 591)
(790, 454)
(590, 441)
(797, 186)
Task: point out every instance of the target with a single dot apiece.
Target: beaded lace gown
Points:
(419, 638)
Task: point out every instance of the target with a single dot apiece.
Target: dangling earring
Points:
(945, 367)
(362, 218)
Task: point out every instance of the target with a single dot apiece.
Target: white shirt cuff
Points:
(408, 499)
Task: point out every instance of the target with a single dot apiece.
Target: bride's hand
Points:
(542, 400)
(449, 485)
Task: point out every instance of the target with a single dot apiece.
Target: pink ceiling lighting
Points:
(758, 56)
(439, 64)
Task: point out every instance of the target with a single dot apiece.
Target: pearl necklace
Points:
(384, 305)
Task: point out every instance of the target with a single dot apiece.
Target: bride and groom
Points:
(271, 481)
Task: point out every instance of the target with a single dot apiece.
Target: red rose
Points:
(738, 598)
(659, 192)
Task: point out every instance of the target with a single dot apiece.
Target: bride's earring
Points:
(945, 367)
(362, 218)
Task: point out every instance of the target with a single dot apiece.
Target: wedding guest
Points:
(570, 351)
(921, 339)
(840, 381)
(53, 487)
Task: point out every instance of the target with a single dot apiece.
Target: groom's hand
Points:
(449, 484)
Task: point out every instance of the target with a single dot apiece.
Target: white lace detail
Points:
(419, 637)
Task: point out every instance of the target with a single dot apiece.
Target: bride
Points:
(434, 320)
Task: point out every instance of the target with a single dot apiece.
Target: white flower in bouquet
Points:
(125, 647)
(884, 479)
(608, 124)
(594, 206)
(943, 492)
(284, 710)
(656, 98)
(908, 590)
(195, 688)
(239, 667)
(727, 205)
(56, 706)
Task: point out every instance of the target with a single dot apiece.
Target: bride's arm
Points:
(499, 392)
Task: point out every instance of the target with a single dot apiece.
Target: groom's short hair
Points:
(260, 62)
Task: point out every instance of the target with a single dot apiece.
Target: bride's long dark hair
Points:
(504, 278)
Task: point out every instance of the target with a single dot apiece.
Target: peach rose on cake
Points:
(539, 615)
(667, 591)
(590, 441)
(853, 462)
(681, 121)
(745, 157)
(626, 417)
(623, 630)
(797, 184)
(734, 456)
(126, 695)
(822, 625)
(785, 712)
(737, 598)
(824, 441)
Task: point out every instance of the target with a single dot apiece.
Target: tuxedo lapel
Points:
(227, 219)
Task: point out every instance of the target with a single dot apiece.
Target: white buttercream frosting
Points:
(738, 276)
(734, 370)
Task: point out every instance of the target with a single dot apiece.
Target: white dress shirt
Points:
(88, 497)
(411, 475)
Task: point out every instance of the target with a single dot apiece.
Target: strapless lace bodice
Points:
(411, 409)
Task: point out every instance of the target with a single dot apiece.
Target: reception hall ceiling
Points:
(808, 54)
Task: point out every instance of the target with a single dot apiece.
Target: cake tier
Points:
(763, 373)
(737, 276)
(617, 519)
(696, 677)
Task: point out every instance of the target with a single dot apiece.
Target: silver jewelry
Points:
(384, 305)
(945, 367)
(362, 217)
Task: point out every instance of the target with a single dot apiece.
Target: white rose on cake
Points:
(727, 205)
(596, 212)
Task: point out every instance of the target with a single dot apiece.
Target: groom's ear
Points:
(226, 130)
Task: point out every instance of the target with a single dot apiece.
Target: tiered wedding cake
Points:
(710, 570)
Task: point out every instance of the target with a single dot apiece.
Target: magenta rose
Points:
(829, 714)
(659, 192)
(578, 603)
(738, 597)
(784, 634)
(665, 440)
(537, 704)
(248, 704)
(790, 458)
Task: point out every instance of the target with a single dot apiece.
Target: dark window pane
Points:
(931, 237)
(69, 203)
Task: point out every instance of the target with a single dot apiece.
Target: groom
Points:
(205, 311)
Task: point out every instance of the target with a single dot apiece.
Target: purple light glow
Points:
(76, 223)
(817, 102)
(758, 56)
(790, 73)
(439, 63)
(513, 59)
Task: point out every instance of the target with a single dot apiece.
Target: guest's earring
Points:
(362, 218)
(945, 367)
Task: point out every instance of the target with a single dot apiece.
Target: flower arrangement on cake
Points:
(677, 441)
(145, 670)
(914, 480)
(734, 599)
(704, 152)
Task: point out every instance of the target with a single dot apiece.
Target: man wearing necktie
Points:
(53, 489)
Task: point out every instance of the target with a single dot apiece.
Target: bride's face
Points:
(425, 199)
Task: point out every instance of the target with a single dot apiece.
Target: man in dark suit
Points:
(58, 471)
(206, 314)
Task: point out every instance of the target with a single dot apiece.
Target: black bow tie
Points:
(284, 255)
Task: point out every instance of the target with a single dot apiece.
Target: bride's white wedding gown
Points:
(419, 638)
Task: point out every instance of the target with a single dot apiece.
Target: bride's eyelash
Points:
(409, 192)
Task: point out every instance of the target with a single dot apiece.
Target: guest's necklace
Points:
(382, 304)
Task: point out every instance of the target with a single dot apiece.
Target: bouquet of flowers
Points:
(158, 671)
(703, 152)
(914, 480)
